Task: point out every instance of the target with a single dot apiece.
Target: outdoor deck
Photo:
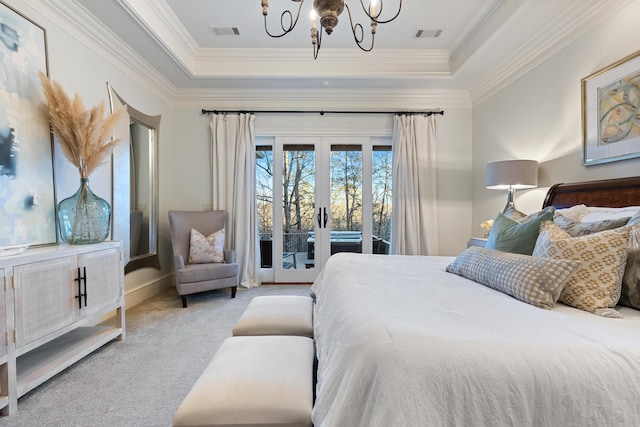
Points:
(302, 248)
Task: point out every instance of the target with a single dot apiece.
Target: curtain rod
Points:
(322, 113)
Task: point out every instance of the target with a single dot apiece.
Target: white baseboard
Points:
(147, 290)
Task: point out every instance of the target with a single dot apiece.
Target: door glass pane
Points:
(382, 205)
(346, 198)
(264, 203)
(298, 206)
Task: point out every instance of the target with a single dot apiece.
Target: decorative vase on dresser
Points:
(84, 218)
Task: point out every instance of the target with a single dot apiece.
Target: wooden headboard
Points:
(612, 193)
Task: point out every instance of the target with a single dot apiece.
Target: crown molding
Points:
(71, 17)
(577, 18)
(313, 99)
(162, 24)
(336, 63)
(491, 17)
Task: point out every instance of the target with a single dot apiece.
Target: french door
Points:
(317, 196)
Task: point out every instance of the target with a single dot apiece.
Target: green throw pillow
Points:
(516, 237)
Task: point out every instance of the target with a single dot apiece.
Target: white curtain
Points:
(414, 222)
(233, 159)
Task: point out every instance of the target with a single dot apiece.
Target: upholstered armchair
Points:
(191, 278)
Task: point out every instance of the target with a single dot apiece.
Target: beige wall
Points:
(538, 117)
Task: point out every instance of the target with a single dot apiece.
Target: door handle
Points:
(319, 217)
(84, 269)
(79, 296)
(326, 217)
(80, 279)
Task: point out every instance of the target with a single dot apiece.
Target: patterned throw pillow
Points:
(597, 282)
(518, 237)
(577, 228)
(536, 281)
(203, 250)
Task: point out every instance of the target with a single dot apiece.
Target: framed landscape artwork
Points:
(611, 112)
(27, 195)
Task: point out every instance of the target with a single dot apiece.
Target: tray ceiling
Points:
(482, 43)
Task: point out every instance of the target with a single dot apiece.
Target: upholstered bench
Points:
(253, 381)
(277, 315)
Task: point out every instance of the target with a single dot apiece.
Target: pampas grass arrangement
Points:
(85, 136)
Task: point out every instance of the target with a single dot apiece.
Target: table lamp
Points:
(512, 175)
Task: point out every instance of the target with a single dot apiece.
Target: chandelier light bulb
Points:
(314, 16)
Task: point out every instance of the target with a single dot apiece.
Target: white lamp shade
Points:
(512, 174)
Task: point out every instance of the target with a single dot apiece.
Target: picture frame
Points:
(611, 112)
(27, 189)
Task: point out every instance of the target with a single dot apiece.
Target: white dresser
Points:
(53, 299)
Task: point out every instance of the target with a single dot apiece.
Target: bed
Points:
(402, 342)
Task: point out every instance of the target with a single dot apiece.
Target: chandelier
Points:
(328, 12)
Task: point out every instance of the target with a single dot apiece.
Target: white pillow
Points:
(582, 228)
(574, 213)
(601, 214)
(204, 250)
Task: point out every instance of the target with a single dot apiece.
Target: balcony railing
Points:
(303, 244)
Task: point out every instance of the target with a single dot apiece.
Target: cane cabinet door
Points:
(44, 298)
(102, 281)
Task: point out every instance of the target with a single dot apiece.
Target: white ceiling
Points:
(484, 43)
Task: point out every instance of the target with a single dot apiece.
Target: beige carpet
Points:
(143, 380)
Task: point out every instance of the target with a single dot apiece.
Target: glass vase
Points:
(84, 217)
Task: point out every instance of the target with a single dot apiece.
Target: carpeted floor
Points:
(143, 380)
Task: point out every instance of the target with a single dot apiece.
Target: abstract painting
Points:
(27, 196)
(611, 112)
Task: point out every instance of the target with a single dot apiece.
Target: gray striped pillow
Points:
(536, 281)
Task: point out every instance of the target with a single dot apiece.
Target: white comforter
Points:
(401, 342)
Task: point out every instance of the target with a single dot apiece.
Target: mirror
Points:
(135, 186)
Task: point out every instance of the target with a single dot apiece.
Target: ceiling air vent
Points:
(427, 34)
(225, 31)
